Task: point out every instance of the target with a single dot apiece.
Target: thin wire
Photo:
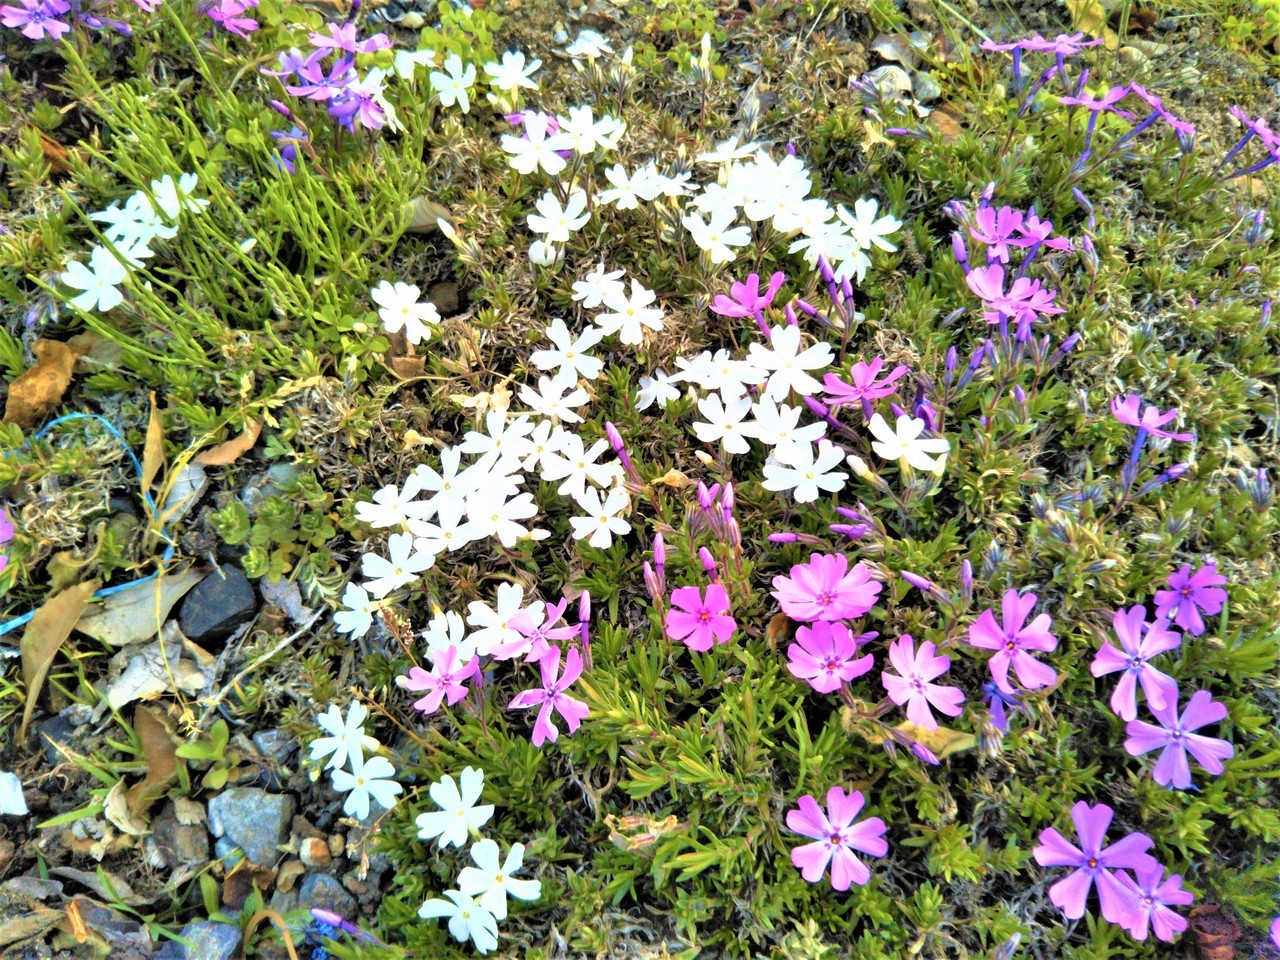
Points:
(19, 621)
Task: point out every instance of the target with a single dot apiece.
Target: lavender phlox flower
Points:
(230, 14)
(1148, 420)
(37, 19)
(1254, 128)
(1024, 302)
(1191, 594)
(1139, 642)
(854, 531)
(287, 142)
(997, 700)
(1154, 895)
(1167, 476)
(1180, 127)
(1175, 739)
(865, 387)
(344, 37)
(995, 227)
(709, 564)
(315, 84)
(1093, 864)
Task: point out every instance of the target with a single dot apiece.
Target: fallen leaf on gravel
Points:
(160, 751)
(17, 929)
(153, 448)
(39, 389)
(1091, 17)
(138, 613)
(105, 884)
(672, 478)
(115, 807)
(286, 595)
(44, 637)
(189, 812)
(138, 673)
(290, 871)
(229, 451)
(239, 883)
(941, 742)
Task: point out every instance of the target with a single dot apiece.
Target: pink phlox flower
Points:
(1139, 642)
(1105, 103)
(357, 104)
(1034, 230)
(1275, 932)
(913, 686)
(317, 85)
(1025, 302)
(826, 589)
(1191, 594)
(1150, 419)
(344, 37)
(1154, 895)
(552, 698)
(37, 18)
(147, 6)
(231, 15)
(6, 525)
(700, 621)
(1067, 45)
(1259, 128)
(536, 625)
(293, 61)
(1176, 740)
(825, 655)
(865, 388)
(1093, 864)
(837, 837)
(1013, 639)
(995, 227)
(445, 682)
(1179, 127)
(745, 299)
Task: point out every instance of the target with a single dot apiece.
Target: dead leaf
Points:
(941, 742)
(286, 595)
(44, 637)
(777, 630)
(947, 127)
(39, 389)
(18, 929)
(672, 478)
(422, 215)
(188, 812)
(408, 368)
(185, 489)
(1091, 17)
(115, 807)
(140, 673)
(239, 883)
(639, 835)
(78, 930)
(137, 613)
(159, 750)
(229, 451)
(1214, 931)
(105, 884)
(153, 449)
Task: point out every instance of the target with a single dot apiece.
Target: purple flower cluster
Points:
(230, 15)
(54, 19)
(6, 534)
(336, 82)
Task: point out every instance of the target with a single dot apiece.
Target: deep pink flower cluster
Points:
(231, 15)
(1024, 302)
(6, 534)
(349, 99)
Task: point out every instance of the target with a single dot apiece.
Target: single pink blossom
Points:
(837, 837)
(1175, 739)
(1150, 419)
(995, 228)
(1155, 895)
(912, 686)
(745, 299)
(699, 621)
(865, 388)
(1139, 642)
(824, 656)
(536, 626)
(446, 681)
(826, 589)
(1013, 639)
(551, 696)
(1191, 594)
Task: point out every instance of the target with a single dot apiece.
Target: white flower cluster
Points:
(131, 229)
(346, 746)
(474, 909)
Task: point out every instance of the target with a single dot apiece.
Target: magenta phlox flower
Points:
(536, 625)
(1174, 737)
(1139, 642)
(37, 18)
(1034, 230)
(745, 299)
(700, 621)
(343, 36)
(997, 701)
(1191, 594)
(837, 837)
(445, 682)
(552, 698)
(1180, 127)
(6, 525)
(826, 655)
(1064, 44)
(1025, 301)
(293, 61)
(1105, 103)
(1130, 411)
(231, 15)
(865, 387)
(1154, 895)
(826, 589)
(1012, 639)
(317, 85)
(1093, 864)
(1275, 932)
(913, 685)
(995, 227)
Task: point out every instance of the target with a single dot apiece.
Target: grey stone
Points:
(226, 851)
(57, 730)
(324, 891)
(277, 745)
(252, 819)
(177, 843)
(209, 941)
(217, 605)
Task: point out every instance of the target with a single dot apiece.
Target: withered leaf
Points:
(39, 389)
(229, 451)
(153, 449)
(941, 742)
(44, 637)
(160, 751)
(138, 612)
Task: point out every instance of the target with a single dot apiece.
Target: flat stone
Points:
(217, 605)
(177, 843)
(277, 745)
(209, 941)
(254, 820)
(54, 732)
(325, 892)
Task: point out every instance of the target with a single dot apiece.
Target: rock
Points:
(323, 891)
(314, 853)
(209, 941)
(254, 820)
(277, 745)
(217, 605)
(172, 843)
(56, 731)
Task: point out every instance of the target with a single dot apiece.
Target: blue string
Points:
(146, 497)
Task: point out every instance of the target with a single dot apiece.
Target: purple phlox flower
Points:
(1175, 739)
(1153, 895)
(1093, 864)
(343, 37)
(1275, 932)
(865, 388)
(1139, 642)
(1179, 127)
(700, 620)
(825, 655)
(913, 686)
(1150, 419)
(1105, 103)
(446, 681)
(1260, 129)
(1036, 231)
(37, 18)
(1064, 44)
(231, 15)
(1013, 639)
(994, 227)
(1191, 594)
(1025, 302)
(317, 85)
(287, 143)
(997, 701)
(551, 696)
(6, 525)
(293, 61)
(357, 103)
(536, 625)
(836, 838)
(745, 299)
(826, 589)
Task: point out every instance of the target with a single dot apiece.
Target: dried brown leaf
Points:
(139, 612)
(40, 388)
(230, 451)
(115, 807)
(153, 449)
(159, 749)
(44, 637)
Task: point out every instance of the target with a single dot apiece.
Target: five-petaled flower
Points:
(1153, 895)
(1139, 642)
(826, 589)
(913, 684)
(700, 620)
(1013, 639)
(836, 838)
(1175, 739)
(1191, 594)
(825, 655)
(1147, 419)
(551, 696)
